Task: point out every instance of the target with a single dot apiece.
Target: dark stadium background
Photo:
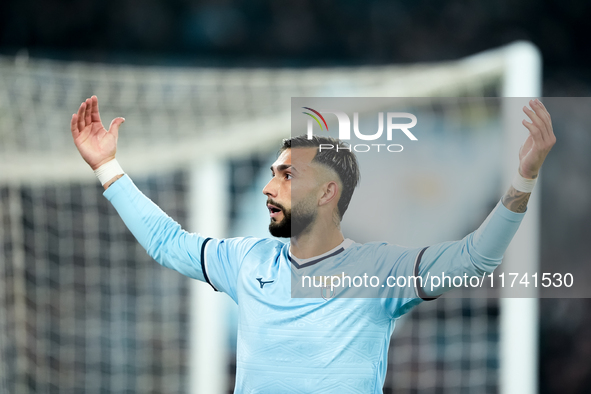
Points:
(354, 32)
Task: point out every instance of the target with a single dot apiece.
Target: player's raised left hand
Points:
(539, 142)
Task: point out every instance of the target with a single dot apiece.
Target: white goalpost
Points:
(519, 316)
(82, 307)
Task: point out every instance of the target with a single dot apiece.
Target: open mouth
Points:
(273, 210)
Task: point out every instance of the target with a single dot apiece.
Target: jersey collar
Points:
(301, 263)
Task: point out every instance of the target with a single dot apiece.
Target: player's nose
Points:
(270, 189)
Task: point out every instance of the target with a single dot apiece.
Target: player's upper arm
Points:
(222, 259)
(395, 267)
(446, 259)
(478, 253)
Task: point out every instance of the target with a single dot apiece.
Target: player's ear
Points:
(330, 193)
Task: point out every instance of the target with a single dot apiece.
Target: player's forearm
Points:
(515, 201)
(492, 238)
(161, 236)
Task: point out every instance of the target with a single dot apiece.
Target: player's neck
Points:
(320, 239)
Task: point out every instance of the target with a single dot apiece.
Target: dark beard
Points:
(287, 228)
(281, 229)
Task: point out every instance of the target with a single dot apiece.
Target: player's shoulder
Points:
(380, 249)
(378, 246)
(259, 245)
(242, 246)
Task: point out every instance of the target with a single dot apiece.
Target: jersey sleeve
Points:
(395, 267)
(171, 246)
(479, 253)
(221, 262)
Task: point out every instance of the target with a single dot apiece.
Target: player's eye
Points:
(288, 176)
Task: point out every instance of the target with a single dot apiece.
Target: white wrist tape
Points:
(107, 171)
(522, 184)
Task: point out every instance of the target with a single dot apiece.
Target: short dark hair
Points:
(340, 159)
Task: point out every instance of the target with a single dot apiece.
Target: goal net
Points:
(84, 309)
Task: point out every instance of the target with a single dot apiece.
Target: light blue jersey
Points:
(307, 345)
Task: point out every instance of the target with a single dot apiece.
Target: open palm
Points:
(539, 142)
(96, 145)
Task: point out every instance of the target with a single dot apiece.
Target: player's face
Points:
(293, 184)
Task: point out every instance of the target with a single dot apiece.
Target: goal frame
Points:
(520, 63)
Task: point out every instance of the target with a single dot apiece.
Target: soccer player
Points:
(326, 344)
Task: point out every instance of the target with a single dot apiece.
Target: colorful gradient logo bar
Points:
(315, 118)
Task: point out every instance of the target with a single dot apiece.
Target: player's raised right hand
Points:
(96, 145)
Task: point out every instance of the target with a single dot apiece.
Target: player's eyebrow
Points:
(282, 167)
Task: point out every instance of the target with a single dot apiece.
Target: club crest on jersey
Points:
(327, 293)
(328, 289)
